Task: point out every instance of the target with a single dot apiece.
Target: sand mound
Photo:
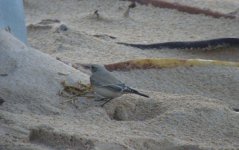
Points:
(211, 81)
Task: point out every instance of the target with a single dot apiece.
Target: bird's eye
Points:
(93, 68)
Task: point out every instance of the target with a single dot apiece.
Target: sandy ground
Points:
(189, 107)
(145, 25)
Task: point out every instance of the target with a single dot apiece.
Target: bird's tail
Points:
(129, 90)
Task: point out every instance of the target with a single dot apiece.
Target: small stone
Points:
(62, 27)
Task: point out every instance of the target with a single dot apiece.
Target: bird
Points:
(107, 87)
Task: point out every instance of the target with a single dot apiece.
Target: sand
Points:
(145, 25)
(189, 107)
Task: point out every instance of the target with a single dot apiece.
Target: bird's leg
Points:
(106, 102)
(99, 97)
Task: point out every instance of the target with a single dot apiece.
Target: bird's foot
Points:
(108, 100)
(100, 99)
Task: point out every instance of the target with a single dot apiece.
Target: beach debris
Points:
(184, 8)
(104, 36)
(74, 90)
(132, 5)
(96, 13)
(160, 63)
(54, 24)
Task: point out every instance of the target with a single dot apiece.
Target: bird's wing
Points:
(103, 79)
(115, 87)
(122, 88)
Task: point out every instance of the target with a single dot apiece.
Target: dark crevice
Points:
(235, 109)
(1, 101)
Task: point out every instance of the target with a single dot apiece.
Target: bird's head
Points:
(93, 67)
(96, 67)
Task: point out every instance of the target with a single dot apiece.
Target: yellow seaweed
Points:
(158, 63)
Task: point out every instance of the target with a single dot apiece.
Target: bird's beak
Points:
(86, 66)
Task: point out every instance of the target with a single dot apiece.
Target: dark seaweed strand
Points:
(220, 42)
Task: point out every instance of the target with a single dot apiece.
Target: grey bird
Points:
(106, 87)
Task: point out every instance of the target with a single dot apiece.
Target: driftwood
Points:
(184, 8)
(204, 44)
